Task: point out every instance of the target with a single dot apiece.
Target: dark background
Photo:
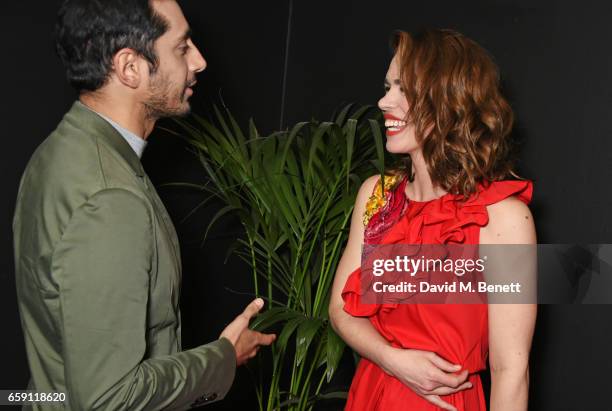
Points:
(282, 61)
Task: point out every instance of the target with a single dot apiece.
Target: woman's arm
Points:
(424, 372)
(510, 325)
(357, 332)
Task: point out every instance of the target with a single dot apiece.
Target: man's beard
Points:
(166, 100)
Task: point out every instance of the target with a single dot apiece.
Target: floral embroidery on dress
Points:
(382, 212)
(379, 198)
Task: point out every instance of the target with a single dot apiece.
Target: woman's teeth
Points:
(394, 125)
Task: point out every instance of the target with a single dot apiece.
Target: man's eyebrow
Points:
(186, 35)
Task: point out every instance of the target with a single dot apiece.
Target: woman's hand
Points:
(426, 373)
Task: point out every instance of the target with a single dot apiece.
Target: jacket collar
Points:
(93, 124)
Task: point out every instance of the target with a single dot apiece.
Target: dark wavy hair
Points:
(90, 32)
(462, 121)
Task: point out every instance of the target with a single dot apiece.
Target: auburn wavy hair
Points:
(462, 121)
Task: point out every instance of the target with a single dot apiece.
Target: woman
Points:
(444, 112)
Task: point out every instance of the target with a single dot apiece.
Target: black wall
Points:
(556, 66)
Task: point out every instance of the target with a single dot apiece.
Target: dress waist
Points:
(375, 390)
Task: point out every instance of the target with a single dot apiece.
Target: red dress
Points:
(456, 332)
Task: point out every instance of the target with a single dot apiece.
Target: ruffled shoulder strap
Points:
(500, 190)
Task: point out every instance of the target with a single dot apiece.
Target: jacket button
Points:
(204, 399)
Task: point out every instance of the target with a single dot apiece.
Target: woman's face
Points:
(401, 136)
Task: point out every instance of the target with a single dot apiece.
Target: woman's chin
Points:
(403, 142)
(398, 147)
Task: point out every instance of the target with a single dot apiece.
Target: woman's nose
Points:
(385, 102)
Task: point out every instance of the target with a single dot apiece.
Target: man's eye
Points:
(184, 50)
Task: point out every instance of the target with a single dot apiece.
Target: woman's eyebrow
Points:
(395, 81)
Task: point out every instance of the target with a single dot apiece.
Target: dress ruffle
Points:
(402, 221)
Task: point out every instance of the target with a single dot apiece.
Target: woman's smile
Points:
(393, 124)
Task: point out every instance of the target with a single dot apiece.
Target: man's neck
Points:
(132, 117)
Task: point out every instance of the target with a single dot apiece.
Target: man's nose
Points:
(198, 63)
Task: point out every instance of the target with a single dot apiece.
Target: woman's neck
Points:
(421, 188)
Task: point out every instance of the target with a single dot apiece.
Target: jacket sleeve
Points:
(102, 264)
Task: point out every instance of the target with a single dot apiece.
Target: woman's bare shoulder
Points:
(510, 222)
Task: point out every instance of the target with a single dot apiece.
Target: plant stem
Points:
(253, 260)
(306, 386)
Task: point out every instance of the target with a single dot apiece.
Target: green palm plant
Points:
(293, 192)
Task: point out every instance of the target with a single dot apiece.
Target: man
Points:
(97, 258)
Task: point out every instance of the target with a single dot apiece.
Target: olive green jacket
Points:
(98, 276)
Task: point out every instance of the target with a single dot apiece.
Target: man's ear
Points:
(127, 67)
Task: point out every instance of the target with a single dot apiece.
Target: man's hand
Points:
(245, 341)
(427, 374)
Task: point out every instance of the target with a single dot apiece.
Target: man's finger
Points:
(434, 399)
(265, 339)
(444, 365)
(253, 308)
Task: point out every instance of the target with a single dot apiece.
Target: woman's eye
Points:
(184, 50)
(387, 88)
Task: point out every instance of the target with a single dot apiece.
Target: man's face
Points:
(179, 61)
